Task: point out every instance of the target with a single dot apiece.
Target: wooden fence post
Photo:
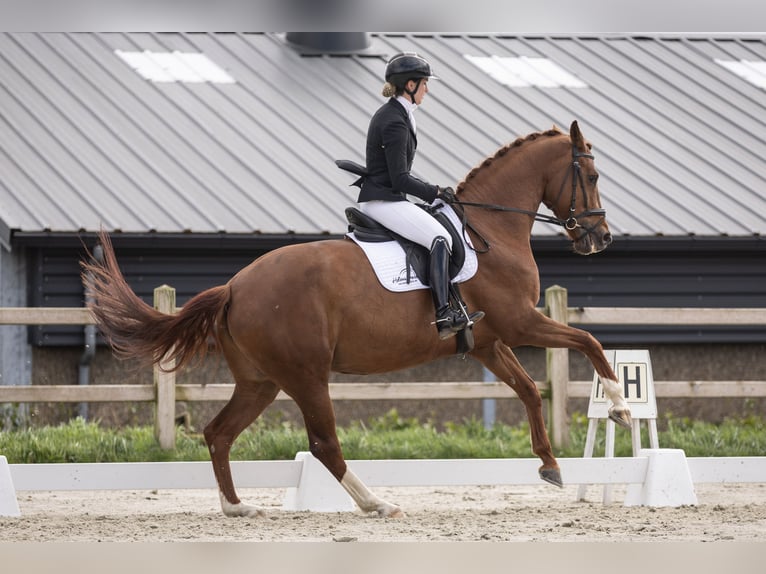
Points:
(557, 370)
(164, 382)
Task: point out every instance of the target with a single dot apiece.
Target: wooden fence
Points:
(557, 387)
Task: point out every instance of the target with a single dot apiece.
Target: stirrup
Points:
(471, 318)
(474, 318)
(451, 323)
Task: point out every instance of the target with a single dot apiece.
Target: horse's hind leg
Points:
(246, 403)
(319, 417)
(502, 362)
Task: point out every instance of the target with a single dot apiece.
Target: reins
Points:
(570, 223)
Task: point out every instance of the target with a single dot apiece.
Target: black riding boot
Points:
(448, 320)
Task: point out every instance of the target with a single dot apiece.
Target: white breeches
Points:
(408, 220)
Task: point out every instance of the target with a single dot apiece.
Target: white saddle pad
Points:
(388, 261)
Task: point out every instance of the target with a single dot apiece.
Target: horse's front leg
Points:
(500, 359)
(546, 332)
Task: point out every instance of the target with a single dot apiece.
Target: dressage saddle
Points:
(367, 229)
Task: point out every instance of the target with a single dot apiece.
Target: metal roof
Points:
(85, 141)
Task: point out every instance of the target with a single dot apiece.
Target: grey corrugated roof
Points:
(85, 141)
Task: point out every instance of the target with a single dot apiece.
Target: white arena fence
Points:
(656, 477)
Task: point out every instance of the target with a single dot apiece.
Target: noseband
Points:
(570, 223)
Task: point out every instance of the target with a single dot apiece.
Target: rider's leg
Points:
(412, 222)
(408, 220)
(448, 320)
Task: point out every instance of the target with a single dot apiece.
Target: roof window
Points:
(749, 70)
(164, 67)
(526, 72)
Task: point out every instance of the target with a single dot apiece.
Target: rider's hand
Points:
(446, 194)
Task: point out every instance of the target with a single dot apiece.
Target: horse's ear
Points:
(576, 136)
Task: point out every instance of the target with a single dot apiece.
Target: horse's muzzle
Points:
(592, 241)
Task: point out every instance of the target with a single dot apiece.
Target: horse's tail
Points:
(136, 330)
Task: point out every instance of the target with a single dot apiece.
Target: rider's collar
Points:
(408, 105)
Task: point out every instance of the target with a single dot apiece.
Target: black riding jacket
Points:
(391, 146)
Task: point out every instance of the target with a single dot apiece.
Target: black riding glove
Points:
(446, 194)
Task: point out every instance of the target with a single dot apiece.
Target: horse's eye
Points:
(593, 178)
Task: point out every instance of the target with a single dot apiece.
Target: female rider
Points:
(391, 145)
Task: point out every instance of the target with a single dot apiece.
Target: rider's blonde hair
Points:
(389, 90)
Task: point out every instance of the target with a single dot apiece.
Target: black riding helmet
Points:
(406, 66)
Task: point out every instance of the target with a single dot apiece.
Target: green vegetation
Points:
(388, 436)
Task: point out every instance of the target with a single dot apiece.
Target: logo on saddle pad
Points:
(403, 278)
(393, 268)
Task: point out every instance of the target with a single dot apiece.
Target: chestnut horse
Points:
(298, 313)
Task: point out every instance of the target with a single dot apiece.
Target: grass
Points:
(386, 437)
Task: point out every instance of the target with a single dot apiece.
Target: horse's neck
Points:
(509, 193)
(504, 191)
(515, 178)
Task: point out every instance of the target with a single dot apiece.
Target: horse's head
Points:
(573, 197)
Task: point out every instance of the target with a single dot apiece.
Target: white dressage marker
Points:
(317, 490)
(9, 506)
(668, 481)
(634, 373)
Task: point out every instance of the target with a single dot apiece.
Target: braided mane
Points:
(554, 131)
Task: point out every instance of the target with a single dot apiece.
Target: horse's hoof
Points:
(240, 509)
(621, 417)
(243, 511)
(391, 511)
(551, 475)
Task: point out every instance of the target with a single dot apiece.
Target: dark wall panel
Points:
(56, 280)
(664, 274)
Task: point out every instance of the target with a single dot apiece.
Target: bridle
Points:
(570, 223)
